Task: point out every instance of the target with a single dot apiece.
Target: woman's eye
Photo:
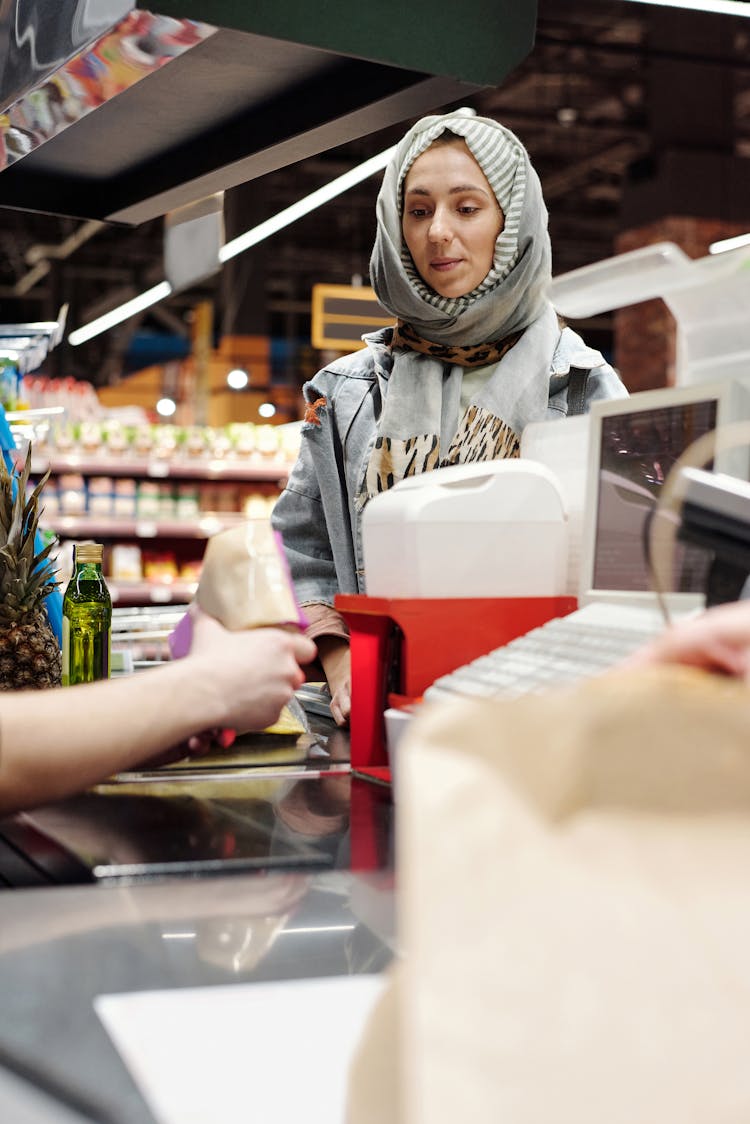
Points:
(467, 209)
(418, 212)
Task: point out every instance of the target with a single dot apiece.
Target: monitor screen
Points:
(637, 449)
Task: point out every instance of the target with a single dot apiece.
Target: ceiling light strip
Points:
(122, 312)
(718, 7)
(240, 244)
(725, 244)
(305, 206)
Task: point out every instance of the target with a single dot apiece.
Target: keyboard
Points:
(564, 650)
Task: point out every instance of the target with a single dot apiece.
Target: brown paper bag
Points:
(574, 909)
(245, 581)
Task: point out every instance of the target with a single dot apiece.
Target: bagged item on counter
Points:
(573, 910)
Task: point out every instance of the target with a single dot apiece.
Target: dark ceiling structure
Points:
(608, 89)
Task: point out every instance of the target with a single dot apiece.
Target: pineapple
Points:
(29, 652)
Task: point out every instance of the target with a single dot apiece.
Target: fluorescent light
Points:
(122, 312)
(720, 7)
(266, 409)
(304, 206)
(242, 242)
(729, 244)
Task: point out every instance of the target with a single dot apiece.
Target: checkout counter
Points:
(295, 860)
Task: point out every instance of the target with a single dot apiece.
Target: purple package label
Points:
(180, 640)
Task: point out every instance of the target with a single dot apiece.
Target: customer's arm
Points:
(56, 742)
(337, 665)
(302, 519)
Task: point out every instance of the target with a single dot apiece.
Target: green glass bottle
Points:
(86, 619)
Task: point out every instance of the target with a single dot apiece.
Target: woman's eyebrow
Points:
(457, 190)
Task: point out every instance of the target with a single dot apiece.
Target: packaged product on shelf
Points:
(72, 493)
(147, 500)
(143, 441)
(207, 494)
(255, 507)
(227, 498)
(190, 571)
(91, 436)
(50, 504)
(159, 566)
(187, 504)
(242, 436)
(100, 495)
(65, 440)
(62, 558)
(195, 444)
(164, 441)
(124, 499)
(8, 384)
(115, 438)
(266, 440)
(290, 437)
(126, 563)
(220, 442)
(167, 506)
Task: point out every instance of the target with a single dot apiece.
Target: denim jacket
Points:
(319, 514)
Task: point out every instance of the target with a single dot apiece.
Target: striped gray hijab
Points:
(512, 294)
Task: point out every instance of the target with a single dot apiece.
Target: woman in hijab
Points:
(462, 260)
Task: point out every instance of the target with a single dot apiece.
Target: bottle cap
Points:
(88, 552)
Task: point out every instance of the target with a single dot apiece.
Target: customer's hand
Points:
(717, 641)
(336, 661)
(254, 672)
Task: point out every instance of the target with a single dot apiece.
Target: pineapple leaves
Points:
(31, 574)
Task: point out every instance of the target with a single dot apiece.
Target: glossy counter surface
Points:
(271, 802)
(61, 947)
(269, 863)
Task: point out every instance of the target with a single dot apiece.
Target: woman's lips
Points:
(442, 265)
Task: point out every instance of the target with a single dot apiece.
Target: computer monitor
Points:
(633, 444)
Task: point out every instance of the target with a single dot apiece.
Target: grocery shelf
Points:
(255, 469)
(127, 593)
(106, 527)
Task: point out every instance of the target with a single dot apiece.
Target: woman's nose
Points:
(440, 228)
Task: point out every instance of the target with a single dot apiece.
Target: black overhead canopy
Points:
(257, 86)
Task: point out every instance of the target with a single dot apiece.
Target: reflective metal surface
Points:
(138, 45)
(37, 37)
(271, 801)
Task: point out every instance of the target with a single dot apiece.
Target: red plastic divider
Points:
(402, 645)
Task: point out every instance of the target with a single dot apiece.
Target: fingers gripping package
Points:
(244, 583)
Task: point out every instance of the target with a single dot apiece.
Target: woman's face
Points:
(451, 219)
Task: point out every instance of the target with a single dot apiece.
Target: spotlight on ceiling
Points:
(166, 407)
(266, 409)
(238, 379)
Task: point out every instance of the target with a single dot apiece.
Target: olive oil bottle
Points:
(86, 619)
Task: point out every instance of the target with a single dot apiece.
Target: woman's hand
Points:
(336, 661)
(717, 641)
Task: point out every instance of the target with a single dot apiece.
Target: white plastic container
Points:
(489, 529)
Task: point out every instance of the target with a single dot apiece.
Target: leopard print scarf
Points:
(478, 355)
